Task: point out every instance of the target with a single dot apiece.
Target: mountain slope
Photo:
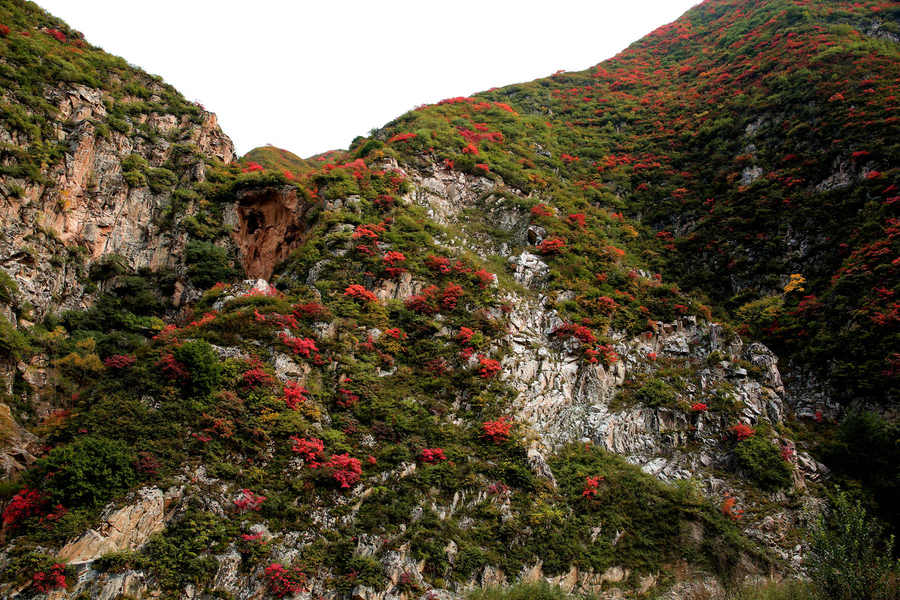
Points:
(473, 364)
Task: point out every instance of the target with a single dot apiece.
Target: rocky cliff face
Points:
(85, 209)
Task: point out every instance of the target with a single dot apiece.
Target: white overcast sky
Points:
(311, 76)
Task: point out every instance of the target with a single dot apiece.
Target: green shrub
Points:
(655, 393)
(762, 463)
(523, 591)
(12, 343)
(202, 364)
(161, 179)
(134, 170)
(848, 558)
(8, 288)
(182, 554)
(789, 589)
(208, 264)
(89, 471)
(866, 450)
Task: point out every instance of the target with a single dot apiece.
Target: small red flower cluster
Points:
(294, 395)
(309, 449)
(742, 431)
(551, 246)
(592, 486)
(360, 293)
(249, 501)
(119, 361)
(302, 346)
(488, 367)
(699, 407)
(433, 455)
(283, 582)
(497, 431)
(54, 579)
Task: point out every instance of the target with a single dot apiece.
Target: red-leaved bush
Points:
(294, 395)
(57, 34)
(484, 278)
(541, 210)
(249, 501)
(360, 293)
(4, 31)
(53, 579)
(438, 264)
(699, 407)
(346, 469)
(551, 246)
(488, 367)
(433, 455)
(309, 449)
(393, 257)
(742, 431)
(497, 431)
(256, 377)
(282, 582)
(119, 361)
(303, 346)
(401, 137)
(592, 486)
(173, 369)
(27, 503)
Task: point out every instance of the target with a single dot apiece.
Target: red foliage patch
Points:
(25, 504)
(346, 469)
(256, 377)
(488, 367)
(360, 293)
(541, 210)
(249, 501)
(592, 486)
(53, 579)
(57, 35)
(282, 582)
(301, 346)
(551, 246)
(119, 361)
(309, 449)
(742, 431)
(294, 395)
(433, 455)
(497, 431)
(401, 137)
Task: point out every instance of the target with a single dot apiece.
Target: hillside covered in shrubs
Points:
(620, 332)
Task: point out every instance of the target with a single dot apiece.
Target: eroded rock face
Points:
(52, 233)
(126, 528)
(269, 223)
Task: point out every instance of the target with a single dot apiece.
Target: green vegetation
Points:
(524, 591)
(848, 558)
(208, 264)
(760, 461)
(87, 472)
